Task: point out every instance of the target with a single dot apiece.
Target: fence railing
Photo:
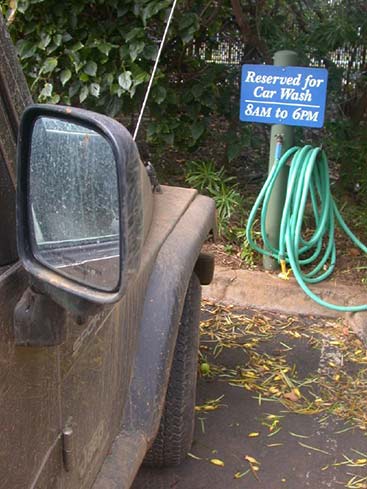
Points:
(352, 59)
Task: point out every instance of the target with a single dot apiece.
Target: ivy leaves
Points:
(83, 52)
(99, 54)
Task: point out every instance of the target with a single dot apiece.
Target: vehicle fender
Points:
(161, 316)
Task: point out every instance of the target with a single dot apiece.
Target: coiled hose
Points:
(308, 180)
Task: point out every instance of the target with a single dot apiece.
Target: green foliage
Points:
(86, 52)
(99, 54)
(207, 179)
(204, 176)
(346, 145)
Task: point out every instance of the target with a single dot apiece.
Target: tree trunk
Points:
(250, 37)
(14, 97)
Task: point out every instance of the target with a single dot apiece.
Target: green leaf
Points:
(114, 106)
(159, 94)
(77, 46)
(105, 47)
(46, 91)
(90, 68)
(233, 151)
(45, 41)
(58, 38)
(109, 79)
(197, 129)
(66, 37)
(151, 129)
(26, 49)
(84, 77)
(95, 89)
(135, 49)
(150, 52)
(55, 99)
(136, 32)
(125, 80)
(189, 25)
(141, 78)
(65, 76)
(23, 5)
(152, 9)
(197, 91)
(49, 65)
(169, 138)
(74, 88)
(84, 92)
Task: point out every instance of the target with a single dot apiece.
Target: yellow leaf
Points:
(251, 460)
(273, 390)
(253, 435)
(210, 408)
(249, 374)
(217, 461)
(361, 460)
(297, 392)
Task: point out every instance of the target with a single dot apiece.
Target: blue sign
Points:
(288, 95)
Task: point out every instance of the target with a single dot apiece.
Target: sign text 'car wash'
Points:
(288, 95)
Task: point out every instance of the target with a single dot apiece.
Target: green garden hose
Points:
(308, 181)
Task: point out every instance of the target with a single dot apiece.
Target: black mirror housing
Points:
(53, 281)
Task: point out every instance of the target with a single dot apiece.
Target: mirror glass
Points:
(74, 202)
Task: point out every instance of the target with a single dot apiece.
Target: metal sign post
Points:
(272, 223)
(283, 95)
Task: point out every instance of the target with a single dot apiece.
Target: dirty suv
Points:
(99, 316)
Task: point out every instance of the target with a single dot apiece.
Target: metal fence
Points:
(349, 58)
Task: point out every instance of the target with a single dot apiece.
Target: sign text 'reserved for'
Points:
(289, 95)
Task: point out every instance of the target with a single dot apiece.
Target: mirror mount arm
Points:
(40, 316)
(38, 321)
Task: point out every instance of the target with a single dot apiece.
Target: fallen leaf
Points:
(194, 456)
(217, 461)
(251, 460)
(238, 475)
(292, 395)
(253, 435)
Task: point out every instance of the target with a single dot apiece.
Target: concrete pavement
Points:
(308, 451)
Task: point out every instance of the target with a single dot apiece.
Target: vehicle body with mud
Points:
(100, 305)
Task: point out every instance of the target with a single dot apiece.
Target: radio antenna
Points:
(154, 70)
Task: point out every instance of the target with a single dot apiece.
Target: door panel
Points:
(29, 399)
(96, 365)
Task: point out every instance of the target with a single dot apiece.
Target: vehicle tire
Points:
(176, 429)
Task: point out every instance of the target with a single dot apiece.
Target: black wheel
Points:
(175, 434)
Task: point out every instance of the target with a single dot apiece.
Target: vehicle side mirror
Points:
(79, 208)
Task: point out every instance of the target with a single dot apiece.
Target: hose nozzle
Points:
(284, 274)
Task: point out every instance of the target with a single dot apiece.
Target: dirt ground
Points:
(351, 268)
